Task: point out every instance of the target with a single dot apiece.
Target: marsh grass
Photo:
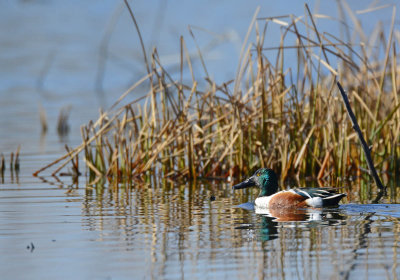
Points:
(285, 116)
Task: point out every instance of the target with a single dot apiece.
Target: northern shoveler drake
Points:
(267, 180)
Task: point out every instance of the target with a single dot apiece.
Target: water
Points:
(53, 229)
(60, 232)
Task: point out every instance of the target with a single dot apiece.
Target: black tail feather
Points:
(333, 200)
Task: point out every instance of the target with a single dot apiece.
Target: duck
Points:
(269, 197)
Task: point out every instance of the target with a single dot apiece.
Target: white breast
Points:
(262, 202)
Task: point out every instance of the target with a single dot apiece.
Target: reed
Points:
(62, 122)
(43, 119)
(2, 165)
(14, 164)
(287, 116)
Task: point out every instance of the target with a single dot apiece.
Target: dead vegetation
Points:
(287, 118)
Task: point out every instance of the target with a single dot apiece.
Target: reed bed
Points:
(287, 116)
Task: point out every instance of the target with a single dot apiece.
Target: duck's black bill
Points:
(245, 184)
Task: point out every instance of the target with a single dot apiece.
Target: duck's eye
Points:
(258, 174)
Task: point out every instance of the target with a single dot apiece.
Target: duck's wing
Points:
(315, 192)
(329, 196)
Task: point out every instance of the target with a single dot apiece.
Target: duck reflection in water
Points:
(287, 214)
(266, 230)
(272, 219)
(290, 214)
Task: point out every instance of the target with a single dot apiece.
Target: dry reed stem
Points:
(2, 165)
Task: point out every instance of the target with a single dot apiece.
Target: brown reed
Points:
(287, 118)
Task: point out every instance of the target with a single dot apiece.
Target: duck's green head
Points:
(264, 178)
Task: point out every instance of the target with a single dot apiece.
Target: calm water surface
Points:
(175, 232)
(53, 229)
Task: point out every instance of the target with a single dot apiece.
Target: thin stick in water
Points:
(364, 145)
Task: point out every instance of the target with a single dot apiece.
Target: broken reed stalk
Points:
(2, 165)
(75, 162)
(12, 161)
(364, 145)
(16, 161)
(62, 122)
(43, 119)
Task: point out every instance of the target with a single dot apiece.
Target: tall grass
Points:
(278, 114)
